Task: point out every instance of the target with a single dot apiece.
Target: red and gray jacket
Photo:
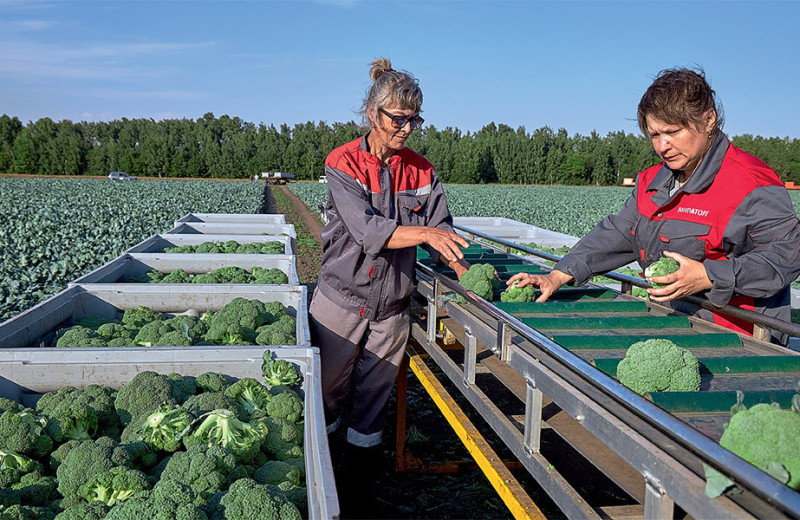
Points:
(733, 214)
(366, 202)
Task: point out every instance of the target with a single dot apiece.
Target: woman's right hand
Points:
(547, 284)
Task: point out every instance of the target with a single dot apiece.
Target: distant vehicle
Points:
(323, 179)
(121, 176)
(276, 177)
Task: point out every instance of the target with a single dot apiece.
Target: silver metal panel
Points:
(38, 324)
(135, 264)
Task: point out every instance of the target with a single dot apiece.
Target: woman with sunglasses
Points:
(384, 200)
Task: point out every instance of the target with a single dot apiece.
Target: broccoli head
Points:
(81, 337)
(24, 433)
(481, 280)
(286, 405)
(232, 274)
(138, 317)
(207, 247)
(115, 485)
(278, 372)
(662, 267)
(223, 428)
(205, 402)
(77, 422)
(269, 276)
(90, 511)
(99, 398)
(281, 436)
(8, 405)
(177, 276)
(190, 326)
(277, 472)
(237, 321)
(518, 294)
(147, 391)
(206, 278)
(246, 498)
(213, 382)
(767, 437)
(168, 500)
(658, 365)
(116, 331)
(204, 469)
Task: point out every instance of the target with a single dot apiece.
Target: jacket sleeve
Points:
(763, 236)
(606, 247)
(368, 227)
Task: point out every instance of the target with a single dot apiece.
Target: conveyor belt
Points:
(547, 342)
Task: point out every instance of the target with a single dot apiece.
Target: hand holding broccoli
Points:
(547, 284)
(670, 282)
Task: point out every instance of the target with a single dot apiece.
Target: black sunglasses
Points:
(400, 121)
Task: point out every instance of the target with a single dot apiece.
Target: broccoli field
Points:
(53, 230)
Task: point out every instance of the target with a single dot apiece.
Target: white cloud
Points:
(35, 25)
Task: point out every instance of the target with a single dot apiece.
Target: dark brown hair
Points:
(679, 97)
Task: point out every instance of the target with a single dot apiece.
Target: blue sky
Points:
(578, 65)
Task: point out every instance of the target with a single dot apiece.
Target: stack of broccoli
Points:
(240, 322)
(273, 247)
(231, 274)
(162, 446)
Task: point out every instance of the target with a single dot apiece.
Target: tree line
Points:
(228, 147)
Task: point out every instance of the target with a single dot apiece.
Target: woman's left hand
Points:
(690, 278)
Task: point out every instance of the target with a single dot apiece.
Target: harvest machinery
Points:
(557, 360)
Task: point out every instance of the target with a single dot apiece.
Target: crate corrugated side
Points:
(222, 228)
(130, 265)
(157, 243)
(237, 218)
(27, 373)
(38, 325)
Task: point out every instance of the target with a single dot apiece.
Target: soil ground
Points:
(466, 494)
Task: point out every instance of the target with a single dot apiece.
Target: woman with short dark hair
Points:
(720, 212)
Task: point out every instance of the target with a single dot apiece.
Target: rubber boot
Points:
(356, 479)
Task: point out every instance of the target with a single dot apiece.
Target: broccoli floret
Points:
(205, 469)
(518, 294)
(658, 365)
(138, 317)
(99, 398)
(58, 455)
(177, 276)
(232, 274)
(151, 333)
(86, 460)
(206, 402)
(269, 276)
(90, 511)
(24, 433)
(164, 428)
(278, 372)
(229, 246)
(277, 472)
(251, 395)
(80, 337)
(208, 247)
(8, 405)
(273, 247)
(214, 382)
(11, 460)
(148, 390)
(23, 512)
(77, 422)
(206, 278)
(281, 435)
(246, 498)
(767, 437)
(481, 280)
(115, 485)
(174, 339)
(662, 267)
(223, 428)
(168, 500)
(271, 337)
(287, 405)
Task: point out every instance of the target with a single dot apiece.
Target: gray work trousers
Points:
(360, 360)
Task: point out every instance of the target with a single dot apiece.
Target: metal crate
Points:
(25, 374)
(37, 326)
(131, 265)
(157, 243)
(234, 218)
